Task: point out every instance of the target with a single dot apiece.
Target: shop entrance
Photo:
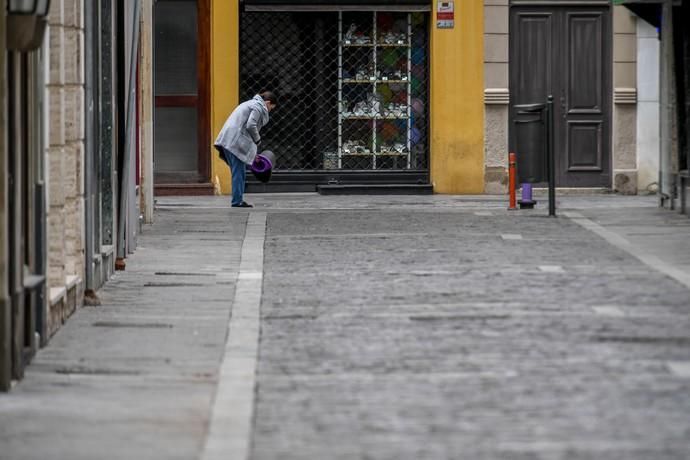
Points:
(566, 52)
(181, 118)
(353, 89)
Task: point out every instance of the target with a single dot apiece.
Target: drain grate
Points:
(116, 324)
(459, 317)
(289, 317)
(186, 230)
(79, 370)
(153, 284)
(643, 340)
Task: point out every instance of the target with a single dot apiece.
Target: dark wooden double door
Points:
(566, 52)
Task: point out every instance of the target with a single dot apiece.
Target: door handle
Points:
(563, 109)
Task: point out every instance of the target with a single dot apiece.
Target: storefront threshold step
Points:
(381, 189)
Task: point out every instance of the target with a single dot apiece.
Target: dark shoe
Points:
(244, 204)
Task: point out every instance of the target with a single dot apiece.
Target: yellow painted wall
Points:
(457, 93)
(457, 101)
(225, 74)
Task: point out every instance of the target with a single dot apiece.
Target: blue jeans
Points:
(238, 169)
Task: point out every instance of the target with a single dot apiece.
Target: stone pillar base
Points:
(625, 181)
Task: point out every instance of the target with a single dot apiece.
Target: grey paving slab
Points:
(403, 332)
(390, 328)
(134, 377)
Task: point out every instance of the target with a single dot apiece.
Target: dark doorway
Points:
(566, 52)
(181, 75)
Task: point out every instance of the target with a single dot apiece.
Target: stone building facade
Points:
(623, 137)
(67, 120)
(65, 160)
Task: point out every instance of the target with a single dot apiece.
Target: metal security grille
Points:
(353, 88)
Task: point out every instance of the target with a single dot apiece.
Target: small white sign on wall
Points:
(445, 14)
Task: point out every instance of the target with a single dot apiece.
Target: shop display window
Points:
(353, 87)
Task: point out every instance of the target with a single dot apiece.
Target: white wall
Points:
(647, 106)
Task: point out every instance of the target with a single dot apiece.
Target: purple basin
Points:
(263, 166)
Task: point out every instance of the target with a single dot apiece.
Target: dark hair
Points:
(269, 96)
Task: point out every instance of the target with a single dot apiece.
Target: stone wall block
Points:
(56, 14)
(496, 48)
(71, 243)
(496, 19)
(72, 71)
(80, 97)
(57, 50)
(624, 48)
(496, 180)
(69, 180)
(623, 20)
(496, 135)
(496, 75)
(74, 114)
(79, 12)
(56, 125)
(71, 18)
(74, 247)
(624, 75)
(625, 136)
(54, 163)
(81, 73)
(79, 158)
(56, 237)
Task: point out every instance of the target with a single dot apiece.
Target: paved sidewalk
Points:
(431, 327)
(135, 377)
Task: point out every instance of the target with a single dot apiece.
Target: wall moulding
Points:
(625, 96)
(496, 96)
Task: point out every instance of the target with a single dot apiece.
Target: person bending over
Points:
(238, 141)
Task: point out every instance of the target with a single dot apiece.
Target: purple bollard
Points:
(526, 201)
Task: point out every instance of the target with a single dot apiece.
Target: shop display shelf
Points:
(352, 81)
(390, 154)
(377, 45)
(375, 117)
(375, 154)
(358, 45)
(382, 38)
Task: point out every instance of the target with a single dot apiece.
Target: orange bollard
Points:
(512, 171)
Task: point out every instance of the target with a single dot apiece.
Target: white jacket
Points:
(240, 133)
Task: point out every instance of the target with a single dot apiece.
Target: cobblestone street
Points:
(389, 328)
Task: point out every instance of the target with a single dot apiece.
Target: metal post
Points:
(666, 177)
(108, 126)
(512, 171)
(89, 143)
(147, 103)
(550, 156)
(126, 222)
(5, 305)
